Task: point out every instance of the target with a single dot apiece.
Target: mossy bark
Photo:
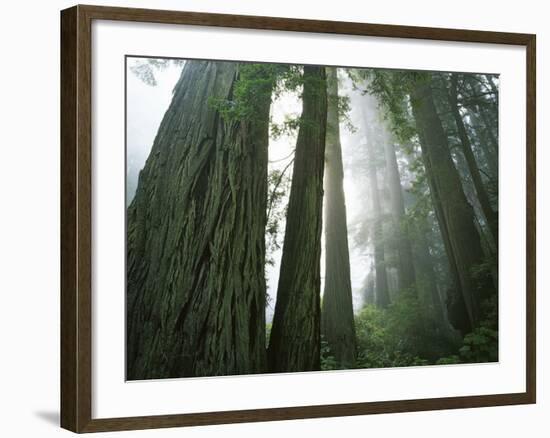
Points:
(195, 244)
(337, 322)
(295, 335)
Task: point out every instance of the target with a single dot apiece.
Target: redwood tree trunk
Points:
(295, 335)
(196, 229)
(490, 215)
(455, 214)
(337, 323)
(405, 272)
(381, 278)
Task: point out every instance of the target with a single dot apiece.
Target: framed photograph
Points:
(269, 218)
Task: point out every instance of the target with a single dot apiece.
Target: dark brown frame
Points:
(76, 174)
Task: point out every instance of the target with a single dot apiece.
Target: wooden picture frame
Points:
(76, 218)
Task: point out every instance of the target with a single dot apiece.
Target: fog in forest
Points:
(406, 272)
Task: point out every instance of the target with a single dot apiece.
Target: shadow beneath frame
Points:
(51, 417)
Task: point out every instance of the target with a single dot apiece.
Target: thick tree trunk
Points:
(490, 215)
(196, 237)
(295, 335)
(337, 323)
(405, 269)
(456, 216)
(456, 308)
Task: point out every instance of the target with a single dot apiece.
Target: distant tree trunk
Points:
(427, 273)
(196, 237)
(337, 322)
(382, 292)
(367, 110)
(405, 271)
(295, 335)
(369, 292)
(456, 216)
(490, 215)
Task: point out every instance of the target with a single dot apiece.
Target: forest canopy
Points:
(289, 218)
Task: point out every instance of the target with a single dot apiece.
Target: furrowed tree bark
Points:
(196, 237)
(405, 270)
(455, 214)
(490, 215)
(295, 335)
(337, 322)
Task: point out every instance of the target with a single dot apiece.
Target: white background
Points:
(29, 223)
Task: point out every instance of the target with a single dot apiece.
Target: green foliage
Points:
(278, 187)
(268, 327)
(392, 89)
(289, 126)
(481, 345)
(344, 111)
(450, 360)
(328, 361)
(404, 334)
(481, 274)
(254, 82)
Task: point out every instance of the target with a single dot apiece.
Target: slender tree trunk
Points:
(405, 271)
(382, 290)
(369, 288)
(367, 109)
(295, 335)
(196, 237)
(427, 271)
(489, 129)
(490, 215)
(337, 323)
(456, 216)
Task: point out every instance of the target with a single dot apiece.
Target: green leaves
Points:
(254, 82)
(481, 345)
(404, 334)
